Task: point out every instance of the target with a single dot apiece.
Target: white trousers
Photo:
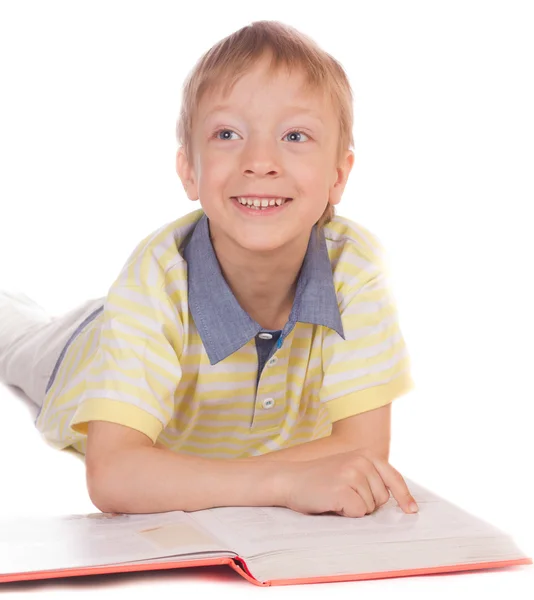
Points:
(31, 341)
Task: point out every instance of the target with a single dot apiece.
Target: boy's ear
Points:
(186, 175)
(342, 171)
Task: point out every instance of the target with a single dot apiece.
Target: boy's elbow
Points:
(111, 483)
(108, 461)
(101, 493)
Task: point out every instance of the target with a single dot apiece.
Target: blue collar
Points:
(223, 325)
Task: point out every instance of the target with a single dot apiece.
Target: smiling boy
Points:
(248, 353)
(269, 138)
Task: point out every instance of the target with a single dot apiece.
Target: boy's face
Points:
(251, 147)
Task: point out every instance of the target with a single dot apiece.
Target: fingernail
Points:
(413, 507)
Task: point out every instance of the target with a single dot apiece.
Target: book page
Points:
(44, 543)
(252, 531)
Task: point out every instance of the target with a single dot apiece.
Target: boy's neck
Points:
(269, 301)
(266, 289)
(267, 297)
(269, 312)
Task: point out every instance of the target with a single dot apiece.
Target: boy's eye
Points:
(225, 131)
(229, 131)
(298, 132)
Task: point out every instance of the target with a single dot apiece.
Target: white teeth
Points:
(257, 202)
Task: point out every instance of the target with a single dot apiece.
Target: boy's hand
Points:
(351, 484)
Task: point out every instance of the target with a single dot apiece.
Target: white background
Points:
(444, 131)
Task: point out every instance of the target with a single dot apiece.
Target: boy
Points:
(248, 353)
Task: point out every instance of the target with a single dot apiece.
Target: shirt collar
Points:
(223, 325)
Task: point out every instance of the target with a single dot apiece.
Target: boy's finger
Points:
(394, 481)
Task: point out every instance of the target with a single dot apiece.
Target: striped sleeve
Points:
(135, 370)
(371, 366)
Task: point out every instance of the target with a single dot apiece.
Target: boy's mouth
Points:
(260, 204)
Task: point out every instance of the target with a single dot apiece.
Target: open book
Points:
(267, 546)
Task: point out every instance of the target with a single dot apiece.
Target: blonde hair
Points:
(228, 60)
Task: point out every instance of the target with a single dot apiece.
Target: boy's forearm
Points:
(309, 450)
(149, 480)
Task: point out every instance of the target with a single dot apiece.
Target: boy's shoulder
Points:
(353, 237)
(158, 252)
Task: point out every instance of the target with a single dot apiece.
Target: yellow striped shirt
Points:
(172, 353)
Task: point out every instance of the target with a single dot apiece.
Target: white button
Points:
(265, 336)
(268, 403)
(273, 361)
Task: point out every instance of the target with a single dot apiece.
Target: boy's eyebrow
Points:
(293, 109)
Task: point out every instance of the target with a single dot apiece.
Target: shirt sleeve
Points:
(371, 366)
(133, 375)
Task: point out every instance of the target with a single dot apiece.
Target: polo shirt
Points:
(172, 354)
